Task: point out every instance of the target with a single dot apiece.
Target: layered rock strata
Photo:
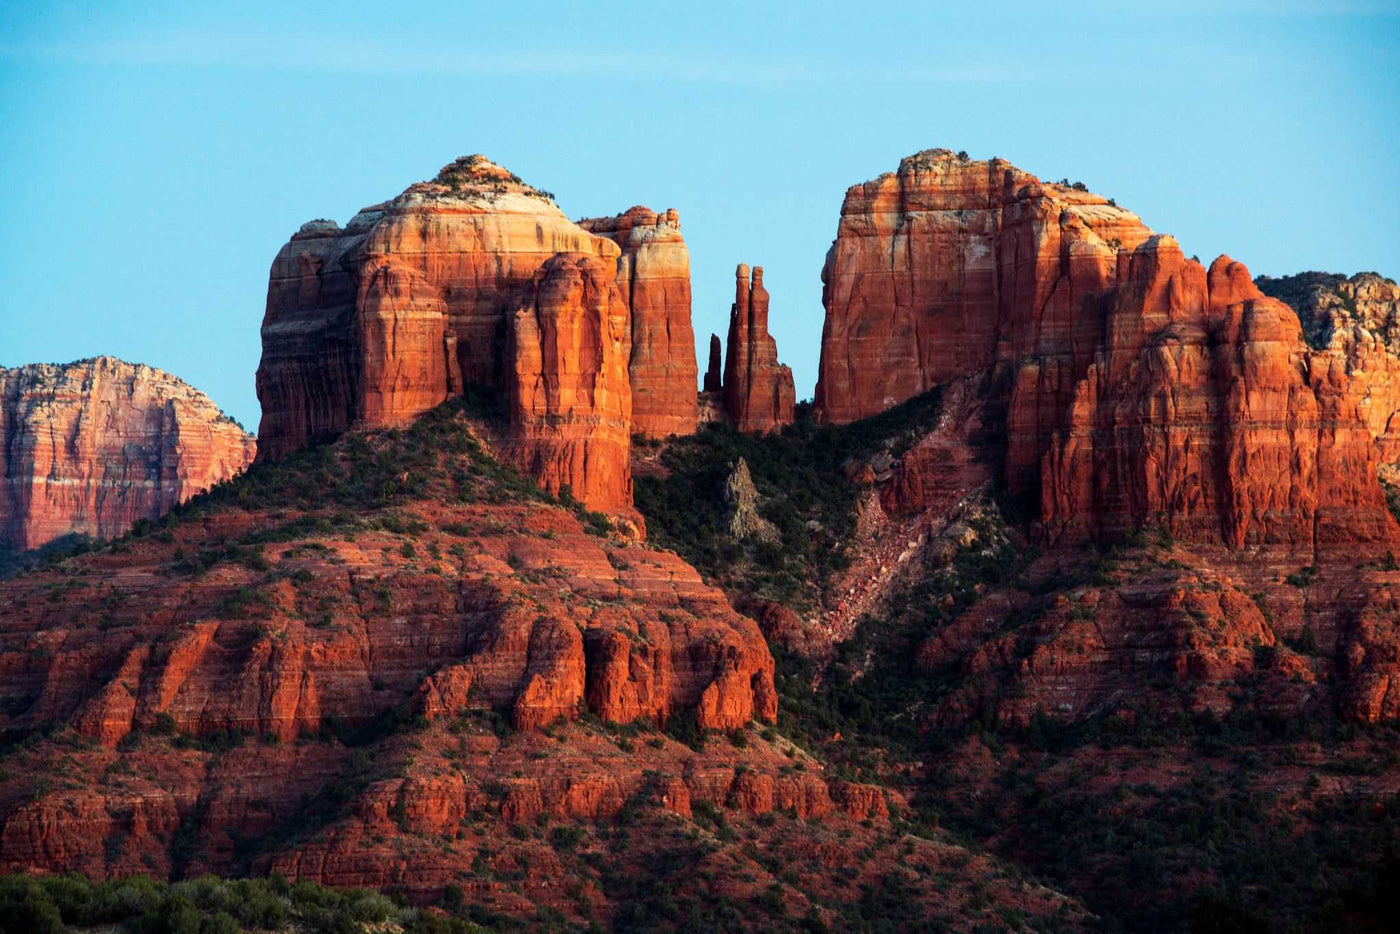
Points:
(654, 274)
(89, 447)
(570, 399)
(1129, 387)
(416, 298)
(479, 603)
(376, 322)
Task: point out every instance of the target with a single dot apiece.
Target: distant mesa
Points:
(92, 446)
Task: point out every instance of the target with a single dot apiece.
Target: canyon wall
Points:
(1131, 388)
(92, 446)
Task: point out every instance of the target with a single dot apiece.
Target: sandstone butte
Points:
(374, 323)
(1121, 385)
(654, 274)
(758, 390)
(89, 447)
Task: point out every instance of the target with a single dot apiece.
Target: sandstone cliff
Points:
(378, 321)
(92, 446)
(758, 390)
(654, 273)
(1128, 387)
(1358, 318)
(570, 400)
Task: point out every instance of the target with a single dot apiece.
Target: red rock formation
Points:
(479, 600)
(714, 373)
(569, 395)
(1207, 412)
(1093, 650)
(1359, 319)
(92, 446)
(758, 390)
(950, 264)
(654, 273)
(383, 319)
(1136, 389)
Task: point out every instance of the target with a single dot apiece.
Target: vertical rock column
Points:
(654, 275)
(714, 373)
(758, 390)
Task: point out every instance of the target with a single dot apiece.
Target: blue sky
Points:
(154, 156)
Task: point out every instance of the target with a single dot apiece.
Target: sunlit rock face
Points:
(376, 322)
(758, 390)
(570, 400)
(90, 447)
(654, 275)
(1131, 387)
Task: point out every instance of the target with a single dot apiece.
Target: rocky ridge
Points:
(390, 662)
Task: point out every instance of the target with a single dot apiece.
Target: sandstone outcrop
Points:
(530, 615)
(1207, 412)
(654, 274)
(570, 400)
(92, 446)
(1126, 386)
(758, 390)
(940, 269)
(376, 322)
(1359, 318)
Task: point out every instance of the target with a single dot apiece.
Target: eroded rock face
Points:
(481, 606)
(528, 613)
(1207, 412)
(570, 400)
(1127, 387)
(758, 390)
(654, 274)
(92, 446)
(376, 322)
(944, 267)
(1359, 318)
